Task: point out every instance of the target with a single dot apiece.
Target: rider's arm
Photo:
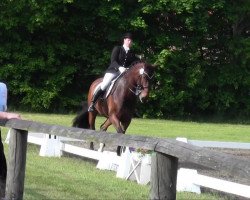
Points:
(7, 115)
(114, 57)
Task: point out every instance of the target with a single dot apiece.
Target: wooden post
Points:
(3, 169)
(163, 176)
(16, 165)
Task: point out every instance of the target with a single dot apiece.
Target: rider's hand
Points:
(122, 69)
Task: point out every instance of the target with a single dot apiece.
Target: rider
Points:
(121, 58)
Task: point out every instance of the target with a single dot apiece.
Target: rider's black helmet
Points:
(128, 35)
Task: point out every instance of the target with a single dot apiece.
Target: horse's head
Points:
(141, 73)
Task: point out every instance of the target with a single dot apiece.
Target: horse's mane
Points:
(137, 62)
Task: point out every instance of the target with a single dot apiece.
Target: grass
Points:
(191, 130)
(164, 128)
(73, 178)
(69, 178)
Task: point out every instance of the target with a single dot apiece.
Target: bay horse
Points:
(119, 106)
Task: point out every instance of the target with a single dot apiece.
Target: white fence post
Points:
(51, 146)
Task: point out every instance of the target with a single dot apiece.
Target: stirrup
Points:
(91, 108)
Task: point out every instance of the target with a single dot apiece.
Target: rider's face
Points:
(127, 42)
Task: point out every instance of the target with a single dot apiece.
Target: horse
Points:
(119, 106)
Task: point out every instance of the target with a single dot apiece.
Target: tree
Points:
(50, 52)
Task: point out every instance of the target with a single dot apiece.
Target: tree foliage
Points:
(51, 51)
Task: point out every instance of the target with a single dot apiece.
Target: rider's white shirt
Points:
(126, 48)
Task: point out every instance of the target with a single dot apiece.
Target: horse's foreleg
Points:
(125, 124)
(104, 127)
(117, 124)
(101, 146)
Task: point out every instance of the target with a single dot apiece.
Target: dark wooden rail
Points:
(164, 161)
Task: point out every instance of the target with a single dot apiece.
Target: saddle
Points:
(109, 88)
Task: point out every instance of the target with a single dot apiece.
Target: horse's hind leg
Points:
(104, 127)
(92, 117)
(91, 146)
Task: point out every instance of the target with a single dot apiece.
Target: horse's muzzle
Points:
(143, 99)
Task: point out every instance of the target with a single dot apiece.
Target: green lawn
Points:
(191, 130)
(164, 128)
(73, 178)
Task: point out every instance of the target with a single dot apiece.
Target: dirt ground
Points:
(240, 153)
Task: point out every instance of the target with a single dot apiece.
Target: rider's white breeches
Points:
(108, 77)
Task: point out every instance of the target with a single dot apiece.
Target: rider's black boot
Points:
(96, 96)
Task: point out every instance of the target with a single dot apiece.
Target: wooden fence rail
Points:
(164, 162)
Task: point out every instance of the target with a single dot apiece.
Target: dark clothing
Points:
(119, 57)
(3, 169)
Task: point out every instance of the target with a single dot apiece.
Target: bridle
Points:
(139, 87)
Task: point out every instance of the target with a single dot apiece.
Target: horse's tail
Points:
(81, 120)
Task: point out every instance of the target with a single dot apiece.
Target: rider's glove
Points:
(122, 69)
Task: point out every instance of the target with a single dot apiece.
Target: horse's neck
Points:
(126, 84)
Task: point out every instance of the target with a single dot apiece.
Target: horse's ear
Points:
(155, 66)
(140, 57)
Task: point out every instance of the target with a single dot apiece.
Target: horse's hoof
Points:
(118, 151)
(91, 146)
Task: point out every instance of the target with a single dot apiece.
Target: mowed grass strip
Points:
(163, 128)
(74, 178)
(191, 130)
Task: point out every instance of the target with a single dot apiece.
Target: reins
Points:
(138, 87)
